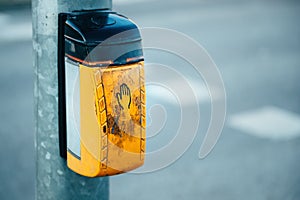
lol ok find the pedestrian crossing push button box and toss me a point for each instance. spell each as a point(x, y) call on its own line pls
point(101, 93)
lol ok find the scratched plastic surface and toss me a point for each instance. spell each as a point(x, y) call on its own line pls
point(112, 122)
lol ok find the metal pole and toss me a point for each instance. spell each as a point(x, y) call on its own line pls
point(53, 179)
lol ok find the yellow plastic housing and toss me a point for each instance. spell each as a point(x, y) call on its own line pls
point(112, 120)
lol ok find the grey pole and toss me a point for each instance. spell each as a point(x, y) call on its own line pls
point(53, 179)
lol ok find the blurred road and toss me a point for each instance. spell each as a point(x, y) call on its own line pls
point(17, 169)
point(256, 46)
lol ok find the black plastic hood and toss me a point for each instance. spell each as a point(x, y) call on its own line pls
point(101, 35)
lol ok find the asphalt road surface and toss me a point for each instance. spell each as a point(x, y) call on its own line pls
point(255, 45)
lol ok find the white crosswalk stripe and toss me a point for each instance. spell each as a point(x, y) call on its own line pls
point(14, 30)
point(129, 2)
point(161, 93)
point(268, 122)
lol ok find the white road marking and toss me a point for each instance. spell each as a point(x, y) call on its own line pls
point(268, 122)
point(129, 2)
point(3, 18)
point(14, 31)
point(163, 94)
